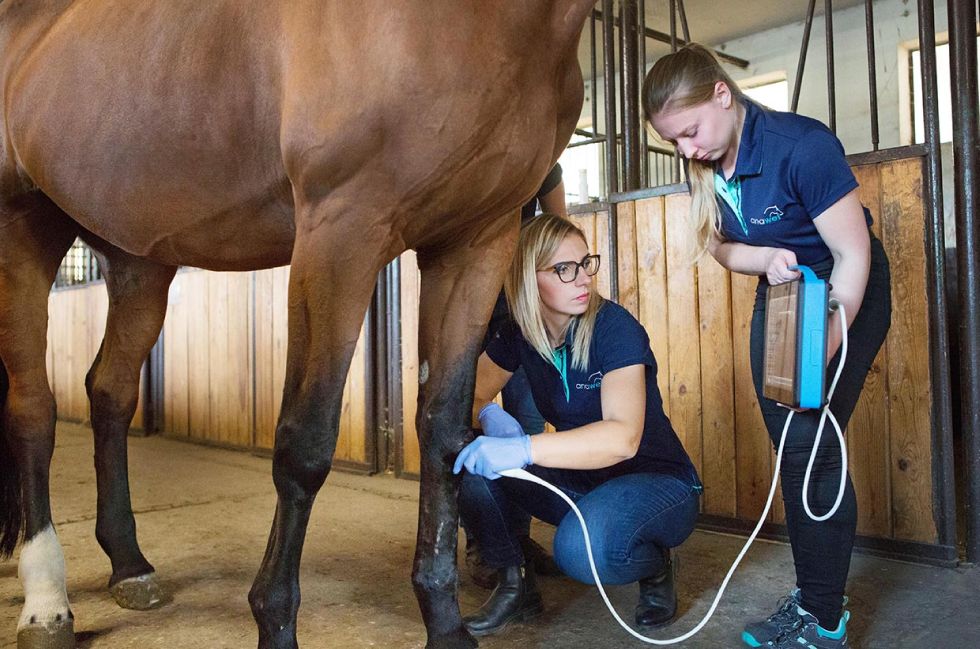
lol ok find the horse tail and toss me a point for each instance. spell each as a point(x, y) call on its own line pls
point(11, 506)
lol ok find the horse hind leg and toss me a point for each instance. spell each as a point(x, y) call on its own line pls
point(137, 305)
point(36, 236)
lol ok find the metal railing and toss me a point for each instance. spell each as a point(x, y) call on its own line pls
point(79, 267)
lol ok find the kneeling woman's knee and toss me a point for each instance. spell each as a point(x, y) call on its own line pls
point(572, 557)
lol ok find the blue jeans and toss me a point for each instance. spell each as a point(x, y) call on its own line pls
point(632, 518)
point(519, 404)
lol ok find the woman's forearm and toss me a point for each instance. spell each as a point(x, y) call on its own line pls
point(594, 446)
point(741, 257)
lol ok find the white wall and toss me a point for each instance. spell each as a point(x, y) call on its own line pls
point(896, 27)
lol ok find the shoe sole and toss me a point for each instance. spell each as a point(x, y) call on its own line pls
point(521, 616)
point(750, 640)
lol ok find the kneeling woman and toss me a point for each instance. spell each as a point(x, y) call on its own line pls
point(594, 377)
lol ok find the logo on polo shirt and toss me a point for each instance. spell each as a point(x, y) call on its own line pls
point(594, 381)
point(770, 215)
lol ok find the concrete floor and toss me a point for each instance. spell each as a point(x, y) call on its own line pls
point(204, 515)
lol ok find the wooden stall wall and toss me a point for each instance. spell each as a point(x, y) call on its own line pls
point(225, 361)
point(76, 324)
point(698, 320)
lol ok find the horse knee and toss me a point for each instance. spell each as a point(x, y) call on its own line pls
point(300, 464)
point(110, 398)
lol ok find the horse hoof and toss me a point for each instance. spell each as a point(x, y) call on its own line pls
point(139, 593)
point(459, 639)
point(55, 635)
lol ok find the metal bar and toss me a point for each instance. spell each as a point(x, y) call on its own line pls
point(886, 155)
point(629, 73)
point(683, 16)
point(828, 17)
point(395, 425)
point(613, 252)
point(944, 485)
point(673, 25)
point(622, 90)
point(869, 22)
point(595, 89)
point(665, 38)
point(609, 82)
point(380, 382)
point(963, 77)
point(644, 143)
point(798, 82)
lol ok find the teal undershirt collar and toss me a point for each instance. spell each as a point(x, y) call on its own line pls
point(560, 359)
point(731, 192)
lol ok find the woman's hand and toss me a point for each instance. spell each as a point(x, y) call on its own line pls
point(497, 422)
point(778, 266)
point(488, 456)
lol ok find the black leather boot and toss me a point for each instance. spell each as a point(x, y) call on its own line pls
point(515, 599)
point(536, 556)
point(658, 598)
point(482, 575)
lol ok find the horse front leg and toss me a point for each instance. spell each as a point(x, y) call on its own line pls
point(34, 240)
point(137, 305)
point(459, 288)
point(330, 287)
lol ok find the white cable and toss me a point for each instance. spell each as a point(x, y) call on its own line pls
point(521, 474)
point(840, 434)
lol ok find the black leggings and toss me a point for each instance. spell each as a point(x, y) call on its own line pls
point(822, 551)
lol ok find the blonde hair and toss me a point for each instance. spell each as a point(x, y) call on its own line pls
point(681, 80)
point(536, 246)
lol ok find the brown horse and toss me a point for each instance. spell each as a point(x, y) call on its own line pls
point(246, 134)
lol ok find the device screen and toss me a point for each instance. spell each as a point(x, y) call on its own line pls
point(779, 366)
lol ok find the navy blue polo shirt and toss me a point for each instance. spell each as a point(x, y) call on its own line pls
point(574, 400)
point(789, 169)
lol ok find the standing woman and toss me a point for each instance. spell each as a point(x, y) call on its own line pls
point(771, 190)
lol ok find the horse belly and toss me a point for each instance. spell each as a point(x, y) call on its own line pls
point(156, 127)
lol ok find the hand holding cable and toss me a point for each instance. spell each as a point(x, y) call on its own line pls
point(488, 456)
point(497, 422)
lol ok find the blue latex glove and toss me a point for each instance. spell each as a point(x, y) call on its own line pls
point(497, 422)
point(487, 456)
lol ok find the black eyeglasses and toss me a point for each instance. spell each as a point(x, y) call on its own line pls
point(567, 271)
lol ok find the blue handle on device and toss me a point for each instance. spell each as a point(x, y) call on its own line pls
point(811, 338)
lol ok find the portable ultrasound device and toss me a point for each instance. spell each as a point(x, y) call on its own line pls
point(795, 356)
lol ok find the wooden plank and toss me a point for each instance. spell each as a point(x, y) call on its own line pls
point(265, 390)
point(410, 283)
point(198, 353)
point(867, 432)
point(218, 358)
point(717, 388)
point(358, 402)
point(908, 378)
point(175, 360)
point(239, 368)
point(652, 286)
point(627, 262)
point(753, 450)
point(683, 334)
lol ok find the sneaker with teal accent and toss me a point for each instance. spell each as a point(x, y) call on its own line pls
point(810, 635)
point(784, 620)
